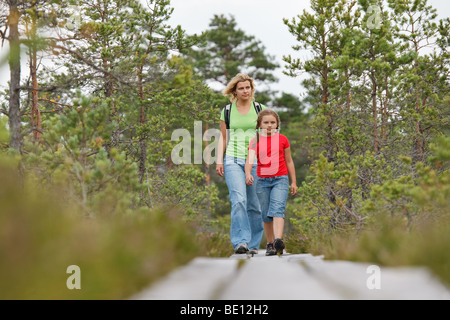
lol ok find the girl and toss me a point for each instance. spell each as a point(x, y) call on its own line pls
point(246, 228)
point(272, 185)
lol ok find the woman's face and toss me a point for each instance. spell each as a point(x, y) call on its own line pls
point(268, 124)
point(243, 90)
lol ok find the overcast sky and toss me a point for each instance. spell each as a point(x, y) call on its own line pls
point(260, 18)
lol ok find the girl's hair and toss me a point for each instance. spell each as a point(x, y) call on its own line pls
point(265, 112)
point(230, 90)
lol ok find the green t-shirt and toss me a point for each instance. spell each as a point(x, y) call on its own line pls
point(242, 130)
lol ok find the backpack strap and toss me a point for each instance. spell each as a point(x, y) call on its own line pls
point(227, 112)
point(258, 107)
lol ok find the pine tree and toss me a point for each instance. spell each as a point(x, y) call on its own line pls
point(21, 26)
point(425, 79)
point(319, 32)
point(72, 154)
point(228, 50)
point(12, 24)
point(380, 93)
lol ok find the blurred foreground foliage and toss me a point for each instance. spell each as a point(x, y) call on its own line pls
point(74, 205)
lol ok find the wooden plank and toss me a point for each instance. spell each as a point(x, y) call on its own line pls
point(293, 277)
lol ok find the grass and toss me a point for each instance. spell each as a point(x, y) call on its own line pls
point(41, 236)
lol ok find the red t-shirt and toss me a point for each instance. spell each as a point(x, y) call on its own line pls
point(270, 154)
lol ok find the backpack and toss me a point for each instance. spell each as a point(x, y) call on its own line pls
point(227, 112)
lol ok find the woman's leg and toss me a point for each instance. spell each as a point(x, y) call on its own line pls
point(240, 232)
point(254, 215)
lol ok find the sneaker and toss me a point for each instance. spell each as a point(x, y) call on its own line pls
point(270, 250)
point(242, 248)
point(253, 251)
point(278, 244)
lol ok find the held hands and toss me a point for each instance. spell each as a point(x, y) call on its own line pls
point(249, 179)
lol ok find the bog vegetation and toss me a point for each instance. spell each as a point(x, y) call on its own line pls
point(86, 176)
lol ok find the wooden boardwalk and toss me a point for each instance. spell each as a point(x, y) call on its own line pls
point(293, 277)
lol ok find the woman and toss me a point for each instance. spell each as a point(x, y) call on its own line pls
point(246, 221)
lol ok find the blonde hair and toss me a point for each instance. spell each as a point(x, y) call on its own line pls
point(230, 90)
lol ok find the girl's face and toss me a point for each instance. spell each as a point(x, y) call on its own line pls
point(269, 124)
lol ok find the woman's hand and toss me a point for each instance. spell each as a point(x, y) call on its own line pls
point(249, 179)
point(219, 169)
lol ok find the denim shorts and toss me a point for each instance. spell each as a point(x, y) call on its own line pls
point(272, 194)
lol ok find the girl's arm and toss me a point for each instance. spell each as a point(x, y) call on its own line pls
point(248, 167)
point(291, 170)
point(221, 148)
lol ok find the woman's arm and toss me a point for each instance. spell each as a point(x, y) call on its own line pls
point(221, 148)
point(291, 170)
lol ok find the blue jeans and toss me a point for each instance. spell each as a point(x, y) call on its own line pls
point(246, 219)
point(272, 194)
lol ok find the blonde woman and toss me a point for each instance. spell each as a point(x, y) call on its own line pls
point(246, 228)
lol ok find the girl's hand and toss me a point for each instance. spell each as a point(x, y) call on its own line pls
point(293, 189)
point(249, 179)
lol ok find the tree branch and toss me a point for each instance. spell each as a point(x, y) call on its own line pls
point(47, 89)
point(79, 56)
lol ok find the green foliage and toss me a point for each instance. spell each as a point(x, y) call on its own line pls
point(184, 188)
point(424, 196)
point(42, 234)
point(371, 153)
point(378, 186)
point(72, 154)
point(4, 135)
point(375, 112)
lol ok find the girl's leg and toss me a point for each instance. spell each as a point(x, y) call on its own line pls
point(268, 229)
point(278, 227)
point(263, 192)
point(278, 197)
